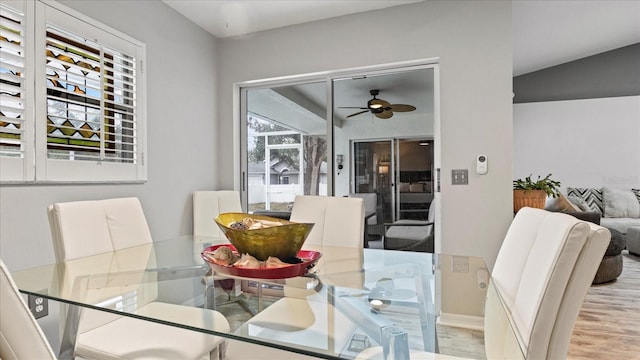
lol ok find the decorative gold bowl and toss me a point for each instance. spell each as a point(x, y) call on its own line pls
point(282, 241)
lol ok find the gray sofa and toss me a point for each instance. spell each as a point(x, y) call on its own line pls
point(614, 208)
point(619, 208)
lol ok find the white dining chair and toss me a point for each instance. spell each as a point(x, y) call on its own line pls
point(302, 312)
point(370, 205)
point(207, 205)
point(20, 335)
point(339, 221)
point(543, 271)
point(84, 229)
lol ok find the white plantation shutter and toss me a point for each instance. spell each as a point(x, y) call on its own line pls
point(15, 120)
point(93, 109)
point(72, 104)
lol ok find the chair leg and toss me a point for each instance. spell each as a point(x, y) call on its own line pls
point(209, 293)
point(220, 352)
point(69, 336)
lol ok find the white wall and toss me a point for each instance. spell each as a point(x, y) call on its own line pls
point(181, 93)
point(473, 41)
point(583, 143)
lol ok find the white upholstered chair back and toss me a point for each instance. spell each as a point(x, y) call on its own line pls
point(85, 236)
point(85, 228)
point(543, 271)
point(20, 335)
point(207, 205)
point(370, 205)
point(82, 229)
point(339, 221)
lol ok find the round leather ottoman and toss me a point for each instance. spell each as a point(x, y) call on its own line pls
point(611, 265)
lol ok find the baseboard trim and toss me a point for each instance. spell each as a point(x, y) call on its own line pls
point(461, 321)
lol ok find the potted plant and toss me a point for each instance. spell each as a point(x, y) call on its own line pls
point(527, 192)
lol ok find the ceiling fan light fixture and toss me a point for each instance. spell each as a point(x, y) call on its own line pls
point(375, 104)
point(382, 109)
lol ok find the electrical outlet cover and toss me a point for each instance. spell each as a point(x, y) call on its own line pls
point(38, 305)
point(460, 264)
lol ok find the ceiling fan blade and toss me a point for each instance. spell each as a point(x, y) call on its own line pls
point(352, 107)
point(384, 114)
point(358, 113)
point(402, 108)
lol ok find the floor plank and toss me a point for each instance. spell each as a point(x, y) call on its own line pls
point(608, 326)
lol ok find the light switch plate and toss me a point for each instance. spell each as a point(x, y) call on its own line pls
point(460, 176)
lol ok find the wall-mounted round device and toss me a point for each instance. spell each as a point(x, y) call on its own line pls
point(481, 164)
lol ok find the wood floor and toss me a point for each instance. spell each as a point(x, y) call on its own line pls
point(608, 326)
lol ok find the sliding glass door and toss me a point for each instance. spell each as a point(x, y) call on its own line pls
point(310, 134)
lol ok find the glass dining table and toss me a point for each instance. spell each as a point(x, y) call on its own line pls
point(355, 302)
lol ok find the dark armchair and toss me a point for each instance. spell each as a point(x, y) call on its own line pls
point(411, 235)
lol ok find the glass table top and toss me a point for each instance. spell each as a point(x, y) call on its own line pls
point(352, 299)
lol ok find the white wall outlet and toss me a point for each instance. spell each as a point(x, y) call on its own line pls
point(460, 264)
point(38, 305)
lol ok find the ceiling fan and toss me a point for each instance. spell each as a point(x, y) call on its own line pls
point(380, 108)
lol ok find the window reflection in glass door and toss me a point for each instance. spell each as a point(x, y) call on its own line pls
point(286, 145)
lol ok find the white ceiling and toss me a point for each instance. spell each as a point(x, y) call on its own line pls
point(545, 33)
point(225, 18)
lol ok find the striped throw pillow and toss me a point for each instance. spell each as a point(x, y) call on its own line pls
point(592, 196)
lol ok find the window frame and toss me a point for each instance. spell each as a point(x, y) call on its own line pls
point(37, 166)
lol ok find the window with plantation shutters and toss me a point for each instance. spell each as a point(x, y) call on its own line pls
point(88, 100)
point(13, 117)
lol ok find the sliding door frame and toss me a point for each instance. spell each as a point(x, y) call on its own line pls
point(240, 90)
